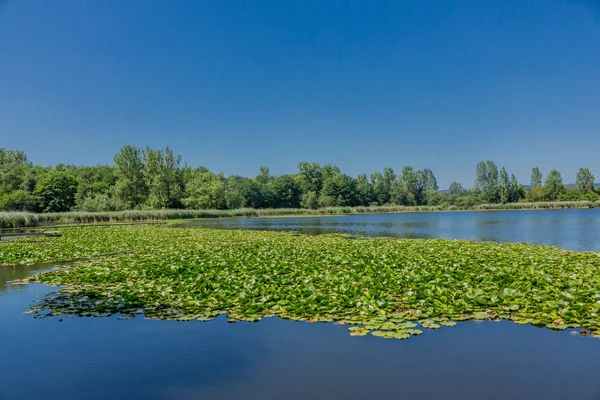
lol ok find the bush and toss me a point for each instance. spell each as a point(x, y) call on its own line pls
point(19, 200)
point(101, 202)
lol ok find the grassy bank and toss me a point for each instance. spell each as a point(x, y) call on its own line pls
point(23, 219)
point(390, 288)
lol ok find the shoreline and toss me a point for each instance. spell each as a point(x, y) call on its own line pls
point(11, 220)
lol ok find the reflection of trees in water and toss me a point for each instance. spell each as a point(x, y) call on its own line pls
point(11, 273)
point(16, 272)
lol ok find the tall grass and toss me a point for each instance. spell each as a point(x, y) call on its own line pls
point(23, 219)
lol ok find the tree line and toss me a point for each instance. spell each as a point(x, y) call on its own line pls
point(158, 179)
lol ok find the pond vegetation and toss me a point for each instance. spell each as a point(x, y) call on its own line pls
point(383, 287)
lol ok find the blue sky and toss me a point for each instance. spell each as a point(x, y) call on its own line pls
point(236, 84)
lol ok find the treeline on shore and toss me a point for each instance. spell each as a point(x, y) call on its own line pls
point(151, 179)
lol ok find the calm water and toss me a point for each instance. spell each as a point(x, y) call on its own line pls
point(571, 229)
point(108, 358)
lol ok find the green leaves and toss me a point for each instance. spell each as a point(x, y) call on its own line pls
point(382, 286)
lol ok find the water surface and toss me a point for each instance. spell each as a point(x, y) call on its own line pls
point(571, 229)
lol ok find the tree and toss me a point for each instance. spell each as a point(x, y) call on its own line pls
point(554, 185)
point(456, 189)
point(164, 178)
point(486, 181)
point(364, 190)
point(264, 175)
point(585, 181)
point(504, 187)
point(283, 192)
point(130, 172)
point(409, 183)
point(206, 191)
point(379, 190)
point(338, 190)
point(55, 191)
point(310, 177)
point(537, 194)
point(428, 180)
point(310, 200)
point(536, 178)
point(481, 177)
point(18, 200)
point(14, 167)
point(251, 193)
point(517, 191)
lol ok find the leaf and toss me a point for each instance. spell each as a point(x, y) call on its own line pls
point(447, 323)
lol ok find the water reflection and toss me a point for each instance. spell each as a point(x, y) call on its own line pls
point(570, 229)
point(15, 272)
point(274, 359)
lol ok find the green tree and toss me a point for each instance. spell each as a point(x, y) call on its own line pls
point(379, 190)
point(537, 194)
point(94, 182)
point(206, 191)
point(585, 181)
point(486, 181)
point(409, 183)
point(338, 190)
point(14, 167)
point(130, 173)
point(428, 180)
point(284, 192)
point(310, 177)
point(517, 191)
point(252, 193)
point(504, 187)
point(310, 200)
point(554, 185)
point(18, 200)
point(456, 189)
point(364, 190)
point(55, 191)
point(264, 175)
point(164, 178)
point(536, 178)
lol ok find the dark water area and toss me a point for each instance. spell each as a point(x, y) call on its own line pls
point(110, 358)
point(570, 229)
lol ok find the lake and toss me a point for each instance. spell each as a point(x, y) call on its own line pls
point(571, 229)
point(110, 358)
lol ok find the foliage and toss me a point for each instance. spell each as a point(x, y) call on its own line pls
point(585, 180)
point(536, 178)
point(383, 286)
point(554, 185)
point(206, 191)
point(131, 185)
point(55, 191)
point(150, 179)
point(164, 178)
point(456, 189)
point(486, 182)
point(18, 200)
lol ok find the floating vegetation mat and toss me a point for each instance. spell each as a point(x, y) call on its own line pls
point(383, 287)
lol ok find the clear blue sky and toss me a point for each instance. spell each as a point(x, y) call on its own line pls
point(237, 84)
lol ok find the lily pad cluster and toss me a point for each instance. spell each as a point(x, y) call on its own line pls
point(386, 287)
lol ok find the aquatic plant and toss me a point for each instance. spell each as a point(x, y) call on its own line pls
point(386, 287)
